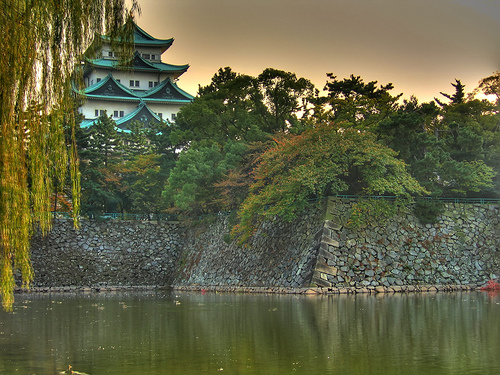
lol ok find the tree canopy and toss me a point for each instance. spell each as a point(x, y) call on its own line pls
point(42, 42)
point(244, 108)
point(361, 104)
point(327, 160)
point(357, 138)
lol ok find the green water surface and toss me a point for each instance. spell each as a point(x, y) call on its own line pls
point(194, 333)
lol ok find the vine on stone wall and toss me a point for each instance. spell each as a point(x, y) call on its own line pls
point(370, 211)
point(427, 211)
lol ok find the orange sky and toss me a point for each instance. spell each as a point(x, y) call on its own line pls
point(418, 45)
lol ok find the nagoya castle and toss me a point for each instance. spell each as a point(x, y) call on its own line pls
point(145, 90)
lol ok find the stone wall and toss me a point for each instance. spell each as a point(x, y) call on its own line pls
point(103, 253)
point(461, 248)
point(280, 254)
point(317, 249)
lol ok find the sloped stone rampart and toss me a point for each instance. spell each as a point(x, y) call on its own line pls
point(280, 254)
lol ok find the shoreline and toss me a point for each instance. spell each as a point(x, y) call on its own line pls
point(254, 290)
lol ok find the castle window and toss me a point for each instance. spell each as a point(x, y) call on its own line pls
point(150, 83)
point(146, 55)
point(121, 114)
point(153, 57)
point(136, 83)
point(110, 54)
point(131, 83)
point(160, 115)
point(96, 112)
point(115, 114)
point(102, 112)
point(98, 80)
point(173, 116)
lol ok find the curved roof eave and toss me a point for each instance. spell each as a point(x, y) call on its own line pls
point(159, 67)
point(137, 99)
point(142, 38)
point(88, 90)
point(164, 83)
point(181, 91)
point(142, 105)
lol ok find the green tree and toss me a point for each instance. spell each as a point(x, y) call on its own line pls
point(105, 142)
point(191, 183)
point(443, 148)
point(135, 141)
point(491, 130)
point(283, 97)
point(362, 104)
point(328, 159)
point(223, 111)
point(41, 42)
point(463, 124)
point(102, 187)
point(144, 183)
point(406, 129)
point(158, 135)
point(457, 98)
point(232, 116)
point(491, 85)
point(244, 108)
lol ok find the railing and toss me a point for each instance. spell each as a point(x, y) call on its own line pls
point(441, 199)
point(174, 217)
point(119, 216)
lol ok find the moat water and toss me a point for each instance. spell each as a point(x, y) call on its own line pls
point(194, 333)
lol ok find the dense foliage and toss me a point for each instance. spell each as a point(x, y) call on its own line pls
point(326, 160)
point(268, 145)
point(124, 172)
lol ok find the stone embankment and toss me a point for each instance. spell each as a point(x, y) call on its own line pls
point(316, 253)
point(251, 290)
point(461, 248)
point(279, 254)
point(330, 290)
point(107, 253)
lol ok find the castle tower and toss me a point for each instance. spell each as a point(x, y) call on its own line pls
point(146, 90)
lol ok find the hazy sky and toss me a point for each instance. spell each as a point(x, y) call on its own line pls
point(418, 45)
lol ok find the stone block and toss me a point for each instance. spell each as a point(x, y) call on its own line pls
point(320, 282)
point(329, 241)
point(332, 225)
point(326, 269)
point(326, 254)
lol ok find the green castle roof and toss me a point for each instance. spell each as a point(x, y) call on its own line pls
point(142, 113)
point(138, 63)
point(142, 38)
point(110, 89)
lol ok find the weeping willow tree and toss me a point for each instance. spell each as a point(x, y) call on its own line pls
point(42, 44)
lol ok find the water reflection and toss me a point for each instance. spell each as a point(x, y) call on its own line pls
point(164, 333)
